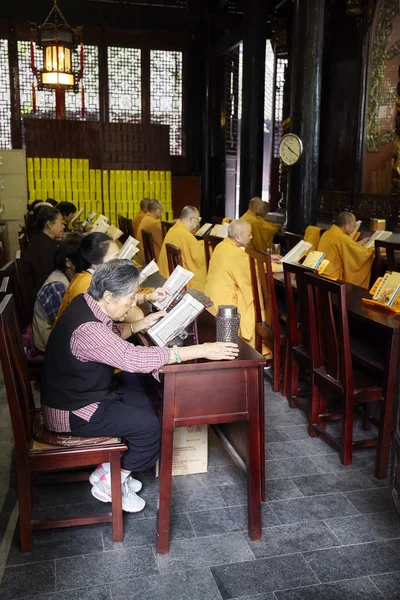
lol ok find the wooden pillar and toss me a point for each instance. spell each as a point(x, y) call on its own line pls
point(103, 79)
point(308, 33)
point(252, 125)
point(16, 125)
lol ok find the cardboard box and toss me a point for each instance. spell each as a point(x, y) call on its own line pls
point(377, 224)
point(190, 451)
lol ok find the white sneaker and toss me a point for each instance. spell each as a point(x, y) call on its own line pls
point(131, 502)
point(134, 484)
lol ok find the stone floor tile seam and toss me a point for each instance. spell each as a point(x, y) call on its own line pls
point(376, 587)
point(396, 538)
point(305, 587)
point(348, 500)
point(333, 533)
point(386, 542)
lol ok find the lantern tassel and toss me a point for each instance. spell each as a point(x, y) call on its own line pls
point(33, 98)
point(83, 102)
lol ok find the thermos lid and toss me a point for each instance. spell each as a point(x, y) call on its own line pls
point(227, 311)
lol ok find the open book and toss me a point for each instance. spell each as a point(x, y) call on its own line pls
point(296, 253)
point(89, 219)
point(175, 284)
point(377, 235)
point(220, 230)
point(101, 224)
point(129, 249)
point(148, 270)
point(356, 228)
point(386, 288)
point(315, 260)
point(114, 233)
point(184, 313)
point(76, 216)
point(204, 229)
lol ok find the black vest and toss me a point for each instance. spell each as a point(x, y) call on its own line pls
point(66, 382)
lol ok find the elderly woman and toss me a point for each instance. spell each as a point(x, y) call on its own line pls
point(79, 391)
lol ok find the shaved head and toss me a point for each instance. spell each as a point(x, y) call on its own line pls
point(258, 206)
point(188, 211)
point(154, 206)
point(239, 231)
point(144, 204)
point(345, 218)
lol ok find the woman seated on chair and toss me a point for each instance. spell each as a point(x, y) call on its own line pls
point(80, 392)
point(50, 295)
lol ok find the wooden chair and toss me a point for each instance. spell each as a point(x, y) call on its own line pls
point(148, 246)
point(269, 328)
point(391, 251)
point(127, 226)
point(165, 227)
point(9, 271)
point(216, 220)
point(297, 347)
point(210, 242)
point(123, 228)
point(39, 450)
point(27, 294)
point(291, 239)
point(334, 374)
point(174, 257)
point(23, 243)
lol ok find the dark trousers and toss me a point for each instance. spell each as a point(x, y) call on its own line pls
point(131, 418)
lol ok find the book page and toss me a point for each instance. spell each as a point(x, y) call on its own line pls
point(114, 233)
point(77, 215)
point(220, 230)
point(184, 313)
point(356, 228)
point(204, 229)
point(101, 224)
point(297, 252)
point(377, 235)
point(175, 284)
point(129, 249)
point(314, 259)
point(387, 288)
point(151, 268)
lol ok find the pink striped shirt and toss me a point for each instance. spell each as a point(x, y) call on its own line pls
point(100, 341)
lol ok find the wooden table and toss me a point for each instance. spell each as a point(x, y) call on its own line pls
point(378, 331)
point(203, 392)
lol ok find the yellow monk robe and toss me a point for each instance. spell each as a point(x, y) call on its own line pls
point(229, 282)
point(149, 223)
point(136, 222)
point(193, 256)
point(262, 231)
point(80, 285)
point(348, 260)
point(312, 235)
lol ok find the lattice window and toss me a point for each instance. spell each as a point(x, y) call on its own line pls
point(45, 99)
point(231, 101)
point(268, 86)
point(281, 65)
point(73, 102)
point(5, 98)
point(125, 86)
point(166, 94)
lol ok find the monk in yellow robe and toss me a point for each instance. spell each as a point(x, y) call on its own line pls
point(262, 231)
point(151, 222)
point(348, 260)
point(229, 279)
point(138, 218)
point(312, 235)
point(193, 255)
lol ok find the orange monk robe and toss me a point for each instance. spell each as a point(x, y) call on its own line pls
point(262, 231)
point(348, 260)
point(193, 256)
point(229, 282)
point(136, 222)
point(149, 223)
point(312, 235)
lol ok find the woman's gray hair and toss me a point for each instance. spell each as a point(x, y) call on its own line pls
point(118, 276)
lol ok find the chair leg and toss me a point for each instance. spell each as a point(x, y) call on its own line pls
point(384, 438)
point(276, 383)
point(164, 505)
point(24, 503)
point(346, 449)
point(288, 370)
point(313, 416)
point(116, 504)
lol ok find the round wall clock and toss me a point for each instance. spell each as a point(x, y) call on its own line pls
point(290, 149)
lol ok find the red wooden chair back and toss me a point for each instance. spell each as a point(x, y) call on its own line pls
point(393, 259)
point(174, 257)
point(10, 271)
point(296, 309)
point(210, 242)
point(216, 220)
point(165, 227)
point(291, 240)
point(148, 246)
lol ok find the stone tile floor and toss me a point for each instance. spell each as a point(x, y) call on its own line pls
point(329, 532)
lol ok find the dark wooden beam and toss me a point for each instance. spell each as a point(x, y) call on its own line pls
point(225, 44)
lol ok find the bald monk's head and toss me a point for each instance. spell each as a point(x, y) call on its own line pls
point(144, 204)
point(155, 208)
point(239, 232)
point(190, 217)
point(259, 207)
point(346, 221)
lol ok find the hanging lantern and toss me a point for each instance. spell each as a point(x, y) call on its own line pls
point(57, 41)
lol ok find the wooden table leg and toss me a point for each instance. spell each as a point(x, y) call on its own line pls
point(116, 503)
point(262, 431)
point(167, 437)
point(254, 475)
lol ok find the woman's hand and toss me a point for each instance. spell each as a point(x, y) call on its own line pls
point(220, 351)
point(147, 322)
point(159, 294)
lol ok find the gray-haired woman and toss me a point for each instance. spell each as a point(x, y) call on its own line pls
point(81, 394)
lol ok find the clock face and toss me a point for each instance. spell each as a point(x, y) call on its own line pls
point(290, 149)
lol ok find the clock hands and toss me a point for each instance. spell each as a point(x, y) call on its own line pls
point(292, 151)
